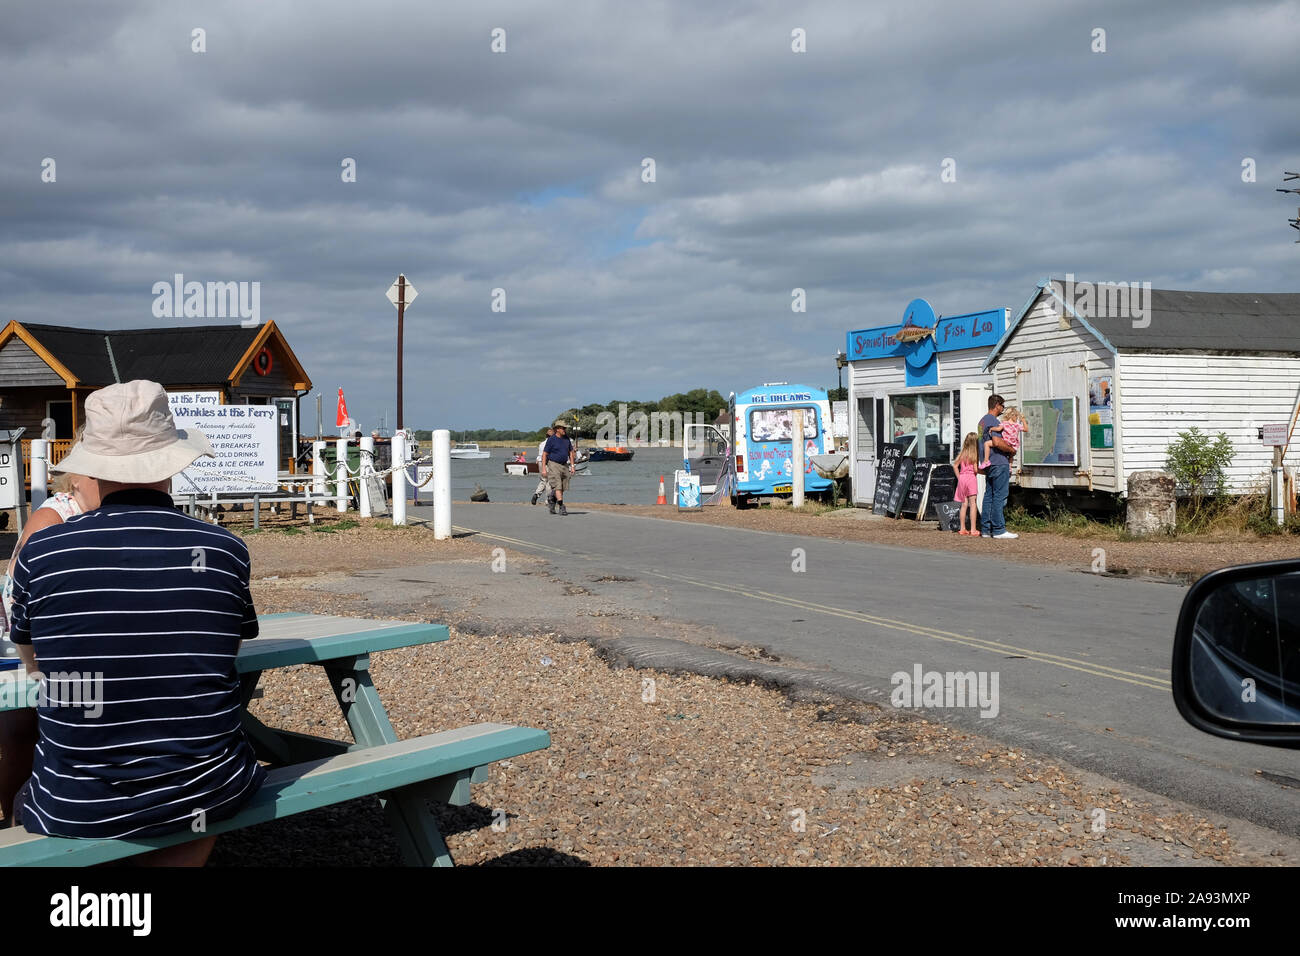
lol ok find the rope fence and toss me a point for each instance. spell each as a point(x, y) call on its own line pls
point(330, 475)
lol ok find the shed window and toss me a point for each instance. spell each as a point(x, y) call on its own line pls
point(922, 422)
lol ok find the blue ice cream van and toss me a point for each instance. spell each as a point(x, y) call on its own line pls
point(762, 423)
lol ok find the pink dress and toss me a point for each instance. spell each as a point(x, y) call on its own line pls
point(967, 484)
point(1011, 434)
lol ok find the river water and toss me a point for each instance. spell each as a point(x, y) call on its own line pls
point(634, 482)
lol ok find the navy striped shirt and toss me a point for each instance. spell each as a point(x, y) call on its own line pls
point(135, 612)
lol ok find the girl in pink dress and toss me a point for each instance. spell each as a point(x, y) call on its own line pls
point(1012, 427)
point(967, 484)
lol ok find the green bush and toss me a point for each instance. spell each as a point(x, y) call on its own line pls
point(1198, 463)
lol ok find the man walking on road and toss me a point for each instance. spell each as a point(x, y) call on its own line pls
point(543, 487)
point(557, 465)
point(997, 476)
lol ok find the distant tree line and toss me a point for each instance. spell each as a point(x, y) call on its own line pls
point(584, 421)
point(706, 402)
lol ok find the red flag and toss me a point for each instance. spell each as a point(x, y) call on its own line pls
point(343, 411)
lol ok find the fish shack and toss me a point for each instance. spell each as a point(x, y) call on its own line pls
point(920, 384)
point(1109, 373)
point(48, 371)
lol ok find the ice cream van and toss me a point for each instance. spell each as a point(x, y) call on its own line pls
point(762, 425)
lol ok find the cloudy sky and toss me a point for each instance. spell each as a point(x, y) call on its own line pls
point(522, 170)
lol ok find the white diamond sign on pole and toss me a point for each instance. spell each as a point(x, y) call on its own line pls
point(410, 294)
point(401, 293)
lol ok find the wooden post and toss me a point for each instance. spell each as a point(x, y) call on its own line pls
point(796, 459)
point(341, 474)
point(367, 468)
point(1278, 487)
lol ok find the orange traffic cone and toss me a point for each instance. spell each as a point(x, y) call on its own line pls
point(662, 500)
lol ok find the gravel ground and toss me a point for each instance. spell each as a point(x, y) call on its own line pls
point(710, 772)
point(1183, 559)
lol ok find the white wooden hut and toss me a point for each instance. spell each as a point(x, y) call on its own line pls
point(1142, 365)
point(923, 388)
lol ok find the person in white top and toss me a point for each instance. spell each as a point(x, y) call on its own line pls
point(73, 495)
point(542, 485)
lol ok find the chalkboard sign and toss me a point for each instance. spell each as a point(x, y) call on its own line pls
point(898, 491)
point(914, 499)
point(943, 486)
point(890, 455)
point(949, 514)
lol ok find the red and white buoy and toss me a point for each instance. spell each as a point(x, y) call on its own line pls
point(662, 500)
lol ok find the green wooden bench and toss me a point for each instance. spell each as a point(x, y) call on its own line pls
point(311, 772)
point(434, 767)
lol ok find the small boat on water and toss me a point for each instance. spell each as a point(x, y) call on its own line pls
point(519, 468)
point(469, 450)
point(615, 452)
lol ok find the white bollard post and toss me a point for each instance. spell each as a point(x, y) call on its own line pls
point(367, 469)
point(441, 484)
point(341, 474)
point(40, 472)
point(796, 459)
point(399, 477)
point(318, 468)
point(1279, 502)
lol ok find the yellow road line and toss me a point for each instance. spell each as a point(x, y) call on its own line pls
point(1096, 670)
point(950, 637)
point(501, 537)
point(996, 646)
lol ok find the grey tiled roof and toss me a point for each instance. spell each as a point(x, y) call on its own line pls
point(200, 355)
point(1209, 321)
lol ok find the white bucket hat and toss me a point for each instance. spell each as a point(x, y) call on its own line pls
point(130, 437)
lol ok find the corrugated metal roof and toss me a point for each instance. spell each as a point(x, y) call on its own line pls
point(201, 355)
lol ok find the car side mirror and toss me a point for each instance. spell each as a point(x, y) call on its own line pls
point(1236, 665)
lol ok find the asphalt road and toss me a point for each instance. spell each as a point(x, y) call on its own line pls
point(1082, 660)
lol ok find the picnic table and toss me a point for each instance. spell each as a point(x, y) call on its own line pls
point(308, 772)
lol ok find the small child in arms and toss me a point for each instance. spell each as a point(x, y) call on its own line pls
point(1012, 427)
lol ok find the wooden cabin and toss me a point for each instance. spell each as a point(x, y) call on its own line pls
point(924, 391)
point(47, 372)
point(1143, 367)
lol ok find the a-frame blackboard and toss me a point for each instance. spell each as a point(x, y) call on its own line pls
point(898, 491)
point(890, 455)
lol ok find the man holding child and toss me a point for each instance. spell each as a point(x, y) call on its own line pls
point(998, 474)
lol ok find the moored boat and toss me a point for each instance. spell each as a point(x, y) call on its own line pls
point(615, 452)
point(519, 468)
point(469, 450)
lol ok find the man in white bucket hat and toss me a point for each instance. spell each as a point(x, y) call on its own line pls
point(135, 612)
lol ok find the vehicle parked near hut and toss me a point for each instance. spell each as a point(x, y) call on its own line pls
point(761, 422)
